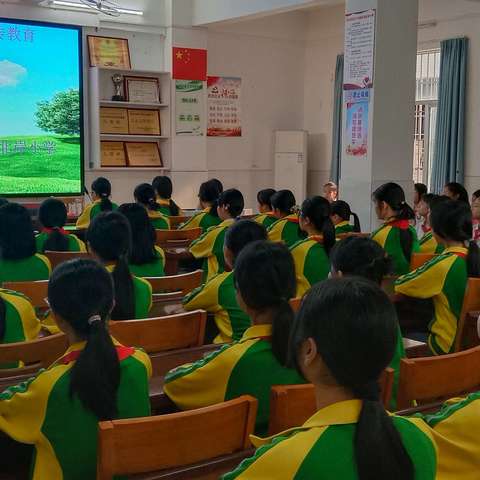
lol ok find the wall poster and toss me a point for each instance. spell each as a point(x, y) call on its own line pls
point(224, 107)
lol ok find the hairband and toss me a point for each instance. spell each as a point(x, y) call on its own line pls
point(94, 318)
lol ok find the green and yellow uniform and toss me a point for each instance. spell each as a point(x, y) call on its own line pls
point(312, 264)
point(152, 269)
point(323, 448)
point(209, 246)
point(285, 230)
point(395, 364)
point(158, 220)
point(203, 220)
point(343, 227)
point(244, 367)
point(165, 207)
point(36, 267)
point(444, 279)
point(266, 219)
point(89, 213)
point(455, 431)
point(428, 244)
point(218, 296)
point(388, 237)
point(74, 243)
point(42, 413)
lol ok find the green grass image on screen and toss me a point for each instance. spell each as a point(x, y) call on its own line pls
point(36, 164)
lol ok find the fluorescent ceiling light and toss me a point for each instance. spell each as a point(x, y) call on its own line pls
point(66, 3)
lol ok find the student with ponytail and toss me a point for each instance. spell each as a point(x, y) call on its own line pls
point(53, 216)
point(312, 264)
point(340, 216)
point(109, 239)
point(264, 200)
point(97, 379)
point(396, 235)
point(144, 195)
point(265, 280)
point(428, 243)
point(343, 338)
point(163, 187)
point(101, 192)
point(444, 278)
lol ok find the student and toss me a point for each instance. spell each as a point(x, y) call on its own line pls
point(101, 192)
point(97, 379)
point(312, 264)
point(362, 257)
point(109, 239)
point(257, 361)
point(330, 191)
point(475, 195)
point(145, 196)
point(476, 215)
point(266, 216)
point(19, 261)
point(145, 258)
point(341, 213)
point(428, 243)
point(456, 191)
point(209, 246)
point(343, 338)
point(396, 235)
point(163, 188)
point(207, 196)
point(420, 189)
point(444, 278)
point(53, 216)
point(286, 228)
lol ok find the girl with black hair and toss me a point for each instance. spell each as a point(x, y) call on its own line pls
point(101, 191)
point(144, 194)
point(265, 280)
point(444, 278)
point(109, 239)
point(53, 216)
point(396, 235)
point(476, 215)
point(145, 259)
point(209, 247)
point(208, 194)
point(218, 295)
point(341, 213)
point(343, 338)
point(286, 228)
point(456, 191)
point(19, 261)
point(312, 264)
point(266, 216)
point(428, 243)
point(163, 187)
point(58, 410)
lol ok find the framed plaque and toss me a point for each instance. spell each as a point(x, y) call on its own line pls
point(143, 154)
point(108, 52)
point(143, 122)
point(113, 154)
point(113, 120)
point(142, 89)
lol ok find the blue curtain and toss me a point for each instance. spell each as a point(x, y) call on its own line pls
point(337, 122)
point(448, 160)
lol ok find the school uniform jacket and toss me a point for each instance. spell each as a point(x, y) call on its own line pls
point(285, 230)
point(218, 296)
point(64, 434)
point(158, 220)
point(89, 213)
point(444, 279)
point(428, 244)
point(312, 264)
point(388, 237)
point(151, 269)
point(323, 448)
point(343, 227)
point(203, 220)
point(74, 243)
point(36, 267)
point(209, 246)
point(244, 367)
point(455, 431)
point(266, 219)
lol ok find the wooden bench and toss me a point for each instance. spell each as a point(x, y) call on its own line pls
point(36, 291)
point(175, 221)
point(56, 258)
point(419, 259)
point(467, 335)
point(341, 236)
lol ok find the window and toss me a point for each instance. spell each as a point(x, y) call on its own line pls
point(426, 103)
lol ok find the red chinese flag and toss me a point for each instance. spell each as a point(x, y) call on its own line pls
point(189, 63)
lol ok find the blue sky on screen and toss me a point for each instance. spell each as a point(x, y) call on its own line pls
point(35, 63)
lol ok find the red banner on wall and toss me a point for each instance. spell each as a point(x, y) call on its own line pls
point(189, 63)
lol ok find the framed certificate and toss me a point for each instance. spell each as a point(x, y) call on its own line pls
point(143, 154)
point(108, 52)
point(143, 122)
point(142, 89)
point(113, 120)
point(113, 154)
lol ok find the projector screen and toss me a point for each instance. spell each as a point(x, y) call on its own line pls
point(41, 128)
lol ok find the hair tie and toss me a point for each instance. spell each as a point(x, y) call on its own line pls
point(94, 319)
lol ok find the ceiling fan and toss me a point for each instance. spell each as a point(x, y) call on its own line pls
point(107, 7)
